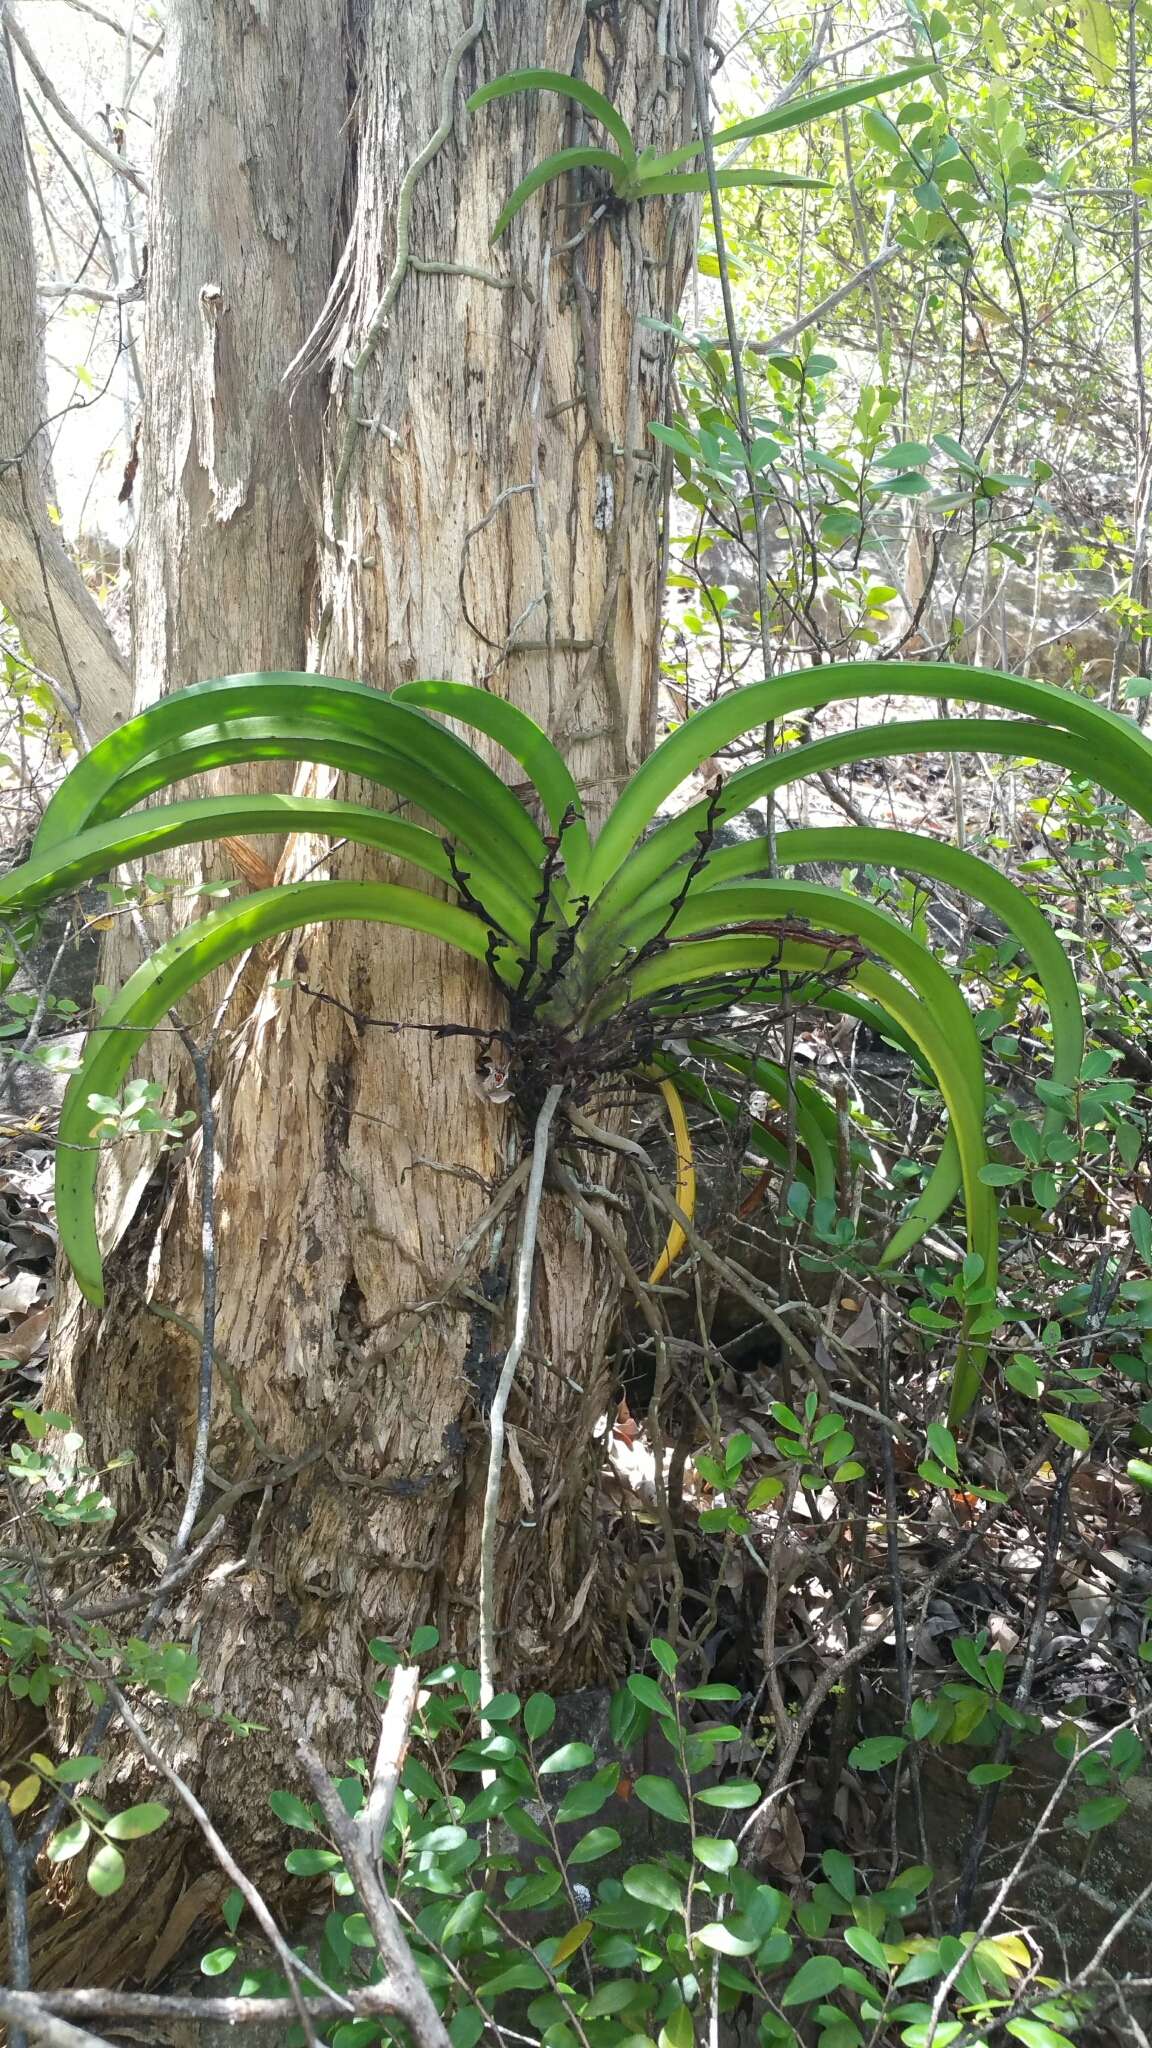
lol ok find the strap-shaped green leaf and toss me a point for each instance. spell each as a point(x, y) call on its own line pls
point(763, 1142)
point(913, 853)
point(934, 1201)
point(528, 744)
point(796, 114)
point(846, 1002)
point(206, 718)
point(558, 166)
point(944, 1182)
point(1117, 751)
point(617, 877)
point(143, 834)
point(815, 1116)
point(828, 909)
point(18, 935)
point(465, 820)
point(743, 954)
point(728, 181)
point(833, 911)
point(570, 89)
point(772, 1077)
point(168, 975)
point(585, 95)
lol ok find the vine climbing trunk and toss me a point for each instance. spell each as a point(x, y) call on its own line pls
point(454, 479)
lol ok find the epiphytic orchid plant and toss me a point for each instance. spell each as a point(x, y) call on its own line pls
point(627, 173)
point(604, 950)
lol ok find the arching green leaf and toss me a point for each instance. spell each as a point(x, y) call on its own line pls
point(1120, 757)
point(284, 716)
point(143, 834)
point(527, 743)
point(167, 975)
point(586, 96)
point(796, 114)
point(727, 181)
point(558, 166)
point(743, 954)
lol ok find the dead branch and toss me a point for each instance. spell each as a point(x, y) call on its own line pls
point(119, 164)
point(411, 1992)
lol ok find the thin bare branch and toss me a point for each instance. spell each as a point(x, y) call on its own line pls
point(30, 2020)
point(59, 622)
point(390, 1753)
point(97, 2003)
point(291, 1965)
point(116, 163)
point(109, 21)
point(413, 1998)
point(785, 336)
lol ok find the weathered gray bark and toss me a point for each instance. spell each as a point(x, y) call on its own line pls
point(499, 523)
point(59, 621)
point(249, 160)
point(250, 153)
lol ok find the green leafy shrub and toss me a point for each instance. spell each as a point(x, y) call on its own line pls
point(524, 1906)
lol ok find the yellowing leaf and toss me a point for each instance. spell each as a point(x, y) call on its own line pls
point(1012, 1954)
point(1098, 36)
point(708, 265)
point(570, 1942)
point(995, 43)
point(136, 1821)
point(988, 311)
point(26, 1793)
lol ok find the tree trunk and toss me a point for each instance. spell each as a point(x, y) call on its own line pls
point(40, 585)
point(486, 507)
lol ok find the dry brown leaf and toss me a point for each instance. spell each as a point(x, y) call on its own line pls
point(862, 1333)
point(27, 1337)
point(778, 1840)
point(1090, 1600)
point(1002, 1635)
point(579, 1603)
point(19, 1291)
point(625, 1429)
point(1101, 1484)
point(201, 1896)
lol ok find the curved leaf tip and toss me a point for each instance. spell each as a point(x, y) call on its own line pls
point(562, 82)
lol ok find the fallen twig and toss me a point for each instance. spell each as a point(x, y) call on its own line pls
point(31, 2021)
